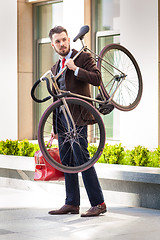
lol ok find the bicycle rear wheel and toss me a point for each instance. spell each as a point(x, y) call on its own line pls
point(77, 160)
point(121, 77)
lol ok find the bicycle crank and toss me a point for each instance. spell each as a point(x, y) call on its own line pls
point(106, 108)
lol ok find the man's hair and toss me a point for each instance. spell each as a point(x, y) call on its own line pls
point(57, 29)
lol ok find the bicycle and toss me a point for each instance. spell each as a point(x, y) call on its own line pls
point(121, 87)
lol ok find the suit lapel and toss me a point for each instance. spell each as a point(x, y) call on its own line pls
point(73, 53)
point(54, 69)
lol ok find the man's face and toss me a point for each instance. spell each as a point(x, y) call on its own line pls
point(61, 43)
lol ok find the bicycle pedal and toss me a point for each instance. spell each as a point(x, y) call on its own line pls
point(106, 109)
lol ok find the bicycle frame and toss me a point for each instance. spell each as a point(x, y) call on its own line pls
point(61, 94)
point(96, 56)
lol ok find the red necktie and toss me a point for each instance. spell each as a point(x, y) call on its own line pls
point(63, 62)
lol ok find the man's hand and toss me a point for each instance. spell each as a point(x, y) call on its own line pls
point(70, 64)
point(54, 136)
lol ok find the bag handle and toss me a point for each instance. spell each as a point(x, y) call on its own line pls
point(49, 144)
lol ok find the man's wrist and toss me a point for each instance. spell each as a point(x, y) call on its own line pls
point(76, 71)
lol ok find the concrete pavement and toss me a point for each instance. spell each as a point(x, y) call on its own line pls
point(24, 216)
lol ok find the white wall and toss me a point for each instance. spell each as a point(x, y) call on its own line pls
point(8, 69)
point(139, 33)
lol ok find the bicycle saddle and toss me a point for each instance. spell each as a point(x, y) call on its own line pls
point(82, 32)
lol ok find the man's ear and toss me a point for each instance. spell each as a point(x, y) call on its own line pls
point(52, 45)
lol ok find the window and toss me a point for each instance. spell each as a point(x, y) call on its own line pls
point(46, 16)
point(105, 30)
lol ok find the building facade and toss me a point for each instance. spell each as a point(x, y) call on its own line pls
point(26, 54)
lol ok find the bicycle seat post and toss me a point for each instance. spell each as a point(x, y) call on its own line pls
point(82, 42)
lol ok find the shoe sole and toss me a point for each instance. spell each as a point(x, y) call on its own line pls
point(63, 213)
point(104, 211)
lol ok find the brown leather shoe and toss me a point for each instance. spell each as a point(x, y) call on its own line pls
point(95, 211)
point(65, 210)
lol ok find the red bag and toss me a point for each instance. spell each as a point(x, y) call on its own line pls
point(43, 170)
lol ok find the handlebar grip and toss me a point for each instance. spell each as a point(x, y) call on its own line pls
point(33, 95)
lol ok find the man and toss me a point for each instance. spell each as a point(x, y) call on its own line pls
point(77, 78)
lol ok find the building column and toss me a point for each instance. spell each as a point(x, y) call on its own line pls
point(158, 72)
point(87, 21)
point(25, 70)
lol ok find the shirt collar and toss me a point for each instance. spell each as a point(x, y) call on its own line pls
point(68, 55)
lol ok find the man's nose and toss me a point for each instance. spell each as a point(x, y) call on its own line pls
point(61, 43)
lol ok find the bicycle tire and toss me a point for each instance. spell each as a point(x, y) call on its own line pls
point(45, 126)
point(128, 95)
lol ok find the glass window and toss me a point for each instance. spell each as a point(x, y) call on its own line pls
point(46, 58)
point(107, 14)
point(105, 20)
point(46, 16)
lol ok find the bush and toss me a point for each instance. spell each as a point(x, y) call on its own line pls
point(22, 148)
point(112, 154)
point(25, 148)
point(158, 154)
point(9, 147)
point(127, 158)
point(154, 158)
point(139, 156)
point(36, 148)
point(1, 147)
point(92, 149)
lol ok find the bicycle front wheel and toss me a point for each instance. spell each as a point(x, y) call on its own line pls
point(73, 140)
point(121, 77)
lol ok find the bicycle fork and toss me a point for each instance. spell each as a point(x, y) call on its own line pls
point(117, 87)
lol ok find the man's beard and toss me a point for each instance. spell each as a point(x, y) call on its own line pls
point(63, 52)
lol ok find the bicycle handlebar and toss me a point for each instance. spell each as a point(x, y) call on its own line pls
point(45, 74)
point(49, 90)
point(33, 92)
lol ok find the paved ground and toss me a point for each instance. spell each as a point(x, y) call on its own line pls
point(23, 216)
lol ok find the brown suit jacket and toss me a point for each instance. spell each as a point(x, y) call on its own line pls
point(88, 74)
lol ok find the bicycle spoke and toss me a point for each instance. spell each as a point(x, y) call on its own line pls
point(125, 95)
point(72, 145)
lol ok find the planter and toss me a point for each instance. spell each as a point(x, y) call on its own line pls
point(126, 185)
point(130, 185)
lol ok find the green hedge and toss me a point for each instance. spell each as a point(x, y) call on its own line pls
point(139, 156)
point(112, 154)
point(22, 148)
